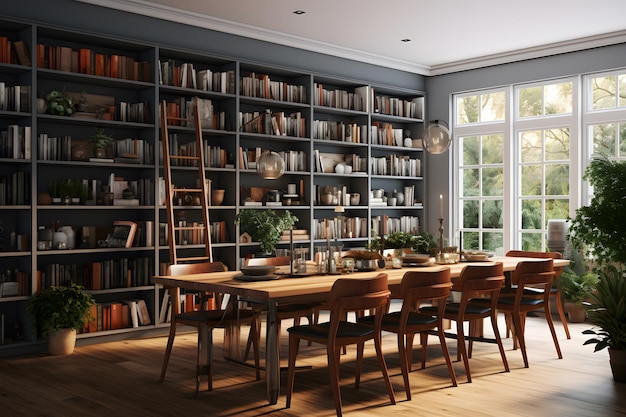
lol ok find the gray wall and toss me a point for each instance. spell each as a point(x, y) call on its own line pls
point(440, 89)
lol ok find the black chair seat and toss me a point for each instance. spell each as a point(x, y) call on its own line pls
point(525, 301)
point(346, 329)
point(393, 319)
point(473, 307)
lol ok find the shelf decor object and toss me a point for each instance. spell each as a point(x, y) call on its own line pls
point(437, 138)
point(270, 166)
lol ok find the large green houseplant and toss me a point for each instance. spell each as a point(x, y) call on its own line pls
point(59, 312)
point(265, 226)
point(577, 283)
point(600, 229)
point(420, 243)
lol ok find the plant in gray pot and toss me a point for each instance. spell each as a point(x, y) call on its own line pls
point(59, 312)
point(600, 230)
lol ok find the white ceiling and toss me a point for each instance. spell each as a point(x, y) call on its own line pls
point(446, 35)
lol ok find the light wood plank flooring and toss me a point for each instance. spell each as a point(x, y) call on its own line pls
point(120, 379)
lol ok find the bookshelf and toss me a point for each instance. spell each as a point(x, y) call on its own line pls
point(330, 131)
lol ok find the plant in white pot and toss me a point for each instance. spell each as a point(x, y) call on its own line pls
point(59, 312)
point(600, 230)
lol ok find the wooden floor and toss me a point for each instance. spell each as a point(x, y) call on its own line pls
point(120, 379)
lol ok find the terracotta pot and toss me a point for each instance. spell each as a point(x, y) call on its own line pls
point(217, 197)
point(575, 313)
point(618, 364)
point(61, 342)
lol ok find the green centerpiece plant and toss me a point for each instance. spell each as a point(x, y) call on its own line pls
point(600, 230)
point(265, 226)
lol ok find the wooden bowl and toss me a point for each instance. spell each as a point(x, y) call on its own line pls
point(217, 197)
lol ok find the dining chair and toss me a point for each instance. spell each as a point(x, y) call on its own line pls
point(417, 288)
point(538, 273)
point(479, 287)
point(284, 311)
point(555, 291)
point(346, 295)
point(205, 321)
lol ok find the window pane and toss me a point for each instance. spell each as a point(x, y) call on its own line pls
point(622, 90)
point(557, 144)
point(470, 240)
point(532, 146)
point(530, 102)
point(531, 214)
point(470, 214)
point(492, 214)
point(622, 140)
point(493, 182)
point(603, 93)
point(556, 209)
point(470, 183)
point(604, 139)
point(557, 179)
point(531, 242)
point(493, 107)
point(470, 150)
point(468, 110)
point(493, 149)
point(494, 241)
point(531, 179)
point(558, 98)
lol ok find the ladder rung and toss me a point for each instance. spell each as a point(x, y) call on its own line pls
point(189, 190)
point(193, 258)
point(187, 119)
point(200, 227)
point(186, 157)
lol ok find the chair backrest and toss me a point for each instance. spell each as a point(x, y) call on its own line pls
point(532, 254)
point(425, 285)
point(539, 272)
point(348, 294)
point(274, 261)
point(196, 268)
point(476, 280)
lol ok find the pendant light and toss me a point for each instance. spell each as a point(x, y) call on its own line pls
point(437, 137)
point(270, 166)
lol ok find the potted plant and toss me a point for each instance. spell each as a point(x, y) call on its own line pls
point(101, 143)
point(419, 243)
point(576, 283)
point(59, 103)
point(265, 226)
point(59, 312)
point(600, 230)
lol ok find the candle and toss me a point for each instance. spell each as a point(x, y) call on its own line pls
point(441, 206)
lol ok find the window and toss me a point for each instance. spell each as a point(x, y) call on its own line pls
point(514, 173)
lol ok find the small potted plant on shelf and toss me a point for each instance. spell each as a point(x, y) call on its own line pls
point(599, 229)
point(265, 226)
point(59, 312)
point(417, 243)
point(59, 103)
point(101, 143)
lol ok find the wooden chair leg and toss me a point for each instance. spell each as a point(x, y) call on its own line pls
point(168, 350)
point(333, 372)
point(446, 355)
point(559, 307)
point(553, 332)
point(494, 326)
point(519, 335)
point(404, 362)
point(383, 368)
point(463, 351)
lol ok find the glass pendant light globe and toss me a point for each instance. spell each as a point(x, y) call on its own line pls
point(270, 166)
point(437, 137)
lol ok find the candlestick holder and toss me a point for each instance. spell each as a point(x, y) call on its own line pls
point(440, 235)
point(444, 258)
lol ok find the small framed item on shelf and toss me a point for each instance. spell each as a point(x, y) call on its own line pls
point(122, 235)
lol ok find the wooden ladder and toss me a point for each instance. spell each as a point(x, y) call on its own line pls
point(177, 229)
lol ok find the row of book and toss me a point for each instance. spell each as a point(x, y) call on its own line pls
point(14, 283)
point(88, 61)
point(278, 123)
point(394, 106)
point(210, 118)
point(15, 142)
point(382, 225)
point(187, 76)
point(195, 234)
point(340, 131)
point(15, 98)
point(117, 315)
point(327, 162)
point(214, 156)
point(294, 160)
point(341, 99)
point(396, 165)
point(103, 275)
point(15, 189)
point(14, 52)
point(66, 148)
point(261, 86)
point(340, 227)
point(386, 134)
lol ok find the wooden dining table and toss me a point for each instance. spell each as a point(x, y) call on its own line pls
point(288, 290)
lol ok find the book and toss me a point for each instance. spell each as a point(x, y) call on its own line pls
point(142, 313)
point(163, 317)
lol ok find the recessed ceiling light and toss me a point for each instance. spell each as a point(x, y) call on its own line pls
point(406, 40)
point(299, 12)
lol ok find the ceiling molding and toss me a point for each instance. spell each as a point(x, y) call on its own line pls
point(151, 9)
point(221, 25)
point(573, 45)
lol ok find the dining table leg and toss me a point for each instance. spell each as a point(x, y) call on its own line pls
point(232, 333)
point(272, 360)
